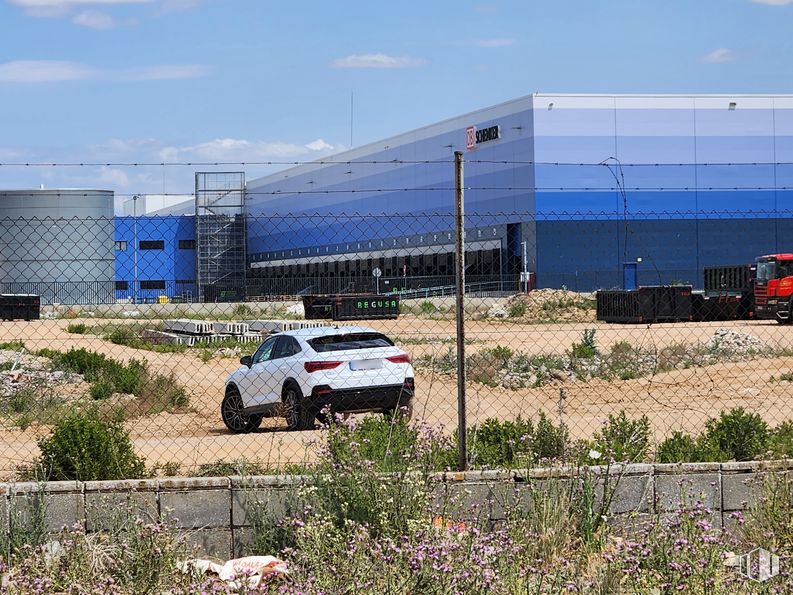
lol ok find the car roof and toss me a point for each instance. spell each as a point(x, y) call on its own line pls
point(324, 331)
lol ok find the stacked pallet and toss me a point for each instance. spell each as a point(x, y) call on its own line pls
point(193, 332)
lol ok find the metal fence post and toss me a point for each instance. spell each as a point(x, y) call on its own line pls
point(462, 462)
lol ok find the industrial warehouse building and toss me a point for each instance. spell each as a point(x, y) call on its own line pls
point(580, 184)
point(569, 187)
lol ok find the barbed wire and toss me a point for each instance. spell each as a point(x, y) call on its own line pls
point(86, 193)
point(449, 161)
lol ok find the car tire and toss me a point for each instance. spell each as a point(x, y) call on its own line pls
point(298, 416)
point(233, 413)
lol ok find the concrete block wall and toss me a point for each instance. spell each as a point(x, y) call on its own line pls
point(215, 513)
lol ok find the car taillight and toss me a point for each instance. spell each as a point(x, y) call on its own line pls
point(317, 366)
point(399, 359)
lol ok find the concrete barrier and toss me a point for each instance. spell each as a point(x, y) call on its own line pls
point(216, 512)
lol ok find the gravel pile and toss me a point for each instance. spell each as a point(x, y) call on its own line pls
point(34, 371)
point(732, 341)
point(551, 305)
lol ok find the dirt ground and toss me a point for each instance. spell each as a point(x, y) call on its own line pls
point(680, 399)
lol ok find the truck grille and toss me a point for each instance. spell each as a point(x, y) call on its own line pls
point(760, 294)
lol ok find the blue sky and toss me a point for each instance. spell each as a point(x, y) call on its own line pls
point(258, 80)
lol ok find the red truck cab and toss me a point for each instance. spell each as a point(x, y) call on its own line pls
point(773, 287)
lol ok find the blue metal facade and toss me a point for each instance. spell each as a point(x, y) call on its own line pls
point(167, 271)
point(680, 182)
point(703, 181)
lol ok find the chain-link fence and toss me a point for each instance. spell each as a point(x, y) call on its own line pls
point(343, 314)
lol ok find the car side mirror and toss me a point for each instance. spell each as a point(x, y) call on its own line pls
point(246, 360)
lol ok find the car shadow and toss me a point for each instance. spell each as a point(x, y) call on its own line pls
point(222, 431)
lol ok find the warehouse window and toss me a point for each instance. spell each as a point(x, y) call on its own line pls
point(187, 244)
point(152, 284)
point(185, 282)
point(152, 245)
point(121, 246)
point(122, 285)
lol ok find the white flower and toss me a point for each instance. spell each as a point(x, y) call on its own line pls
point(593, 454)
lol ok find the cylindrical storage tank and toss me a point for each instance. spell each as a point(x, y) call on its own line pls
point(58, 244)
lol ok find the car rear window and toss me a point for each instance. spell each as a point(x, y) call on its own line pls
point(350, 341)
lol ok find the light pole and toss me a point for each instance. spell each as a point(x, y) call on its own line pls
point(525, 275)
point(135, 248)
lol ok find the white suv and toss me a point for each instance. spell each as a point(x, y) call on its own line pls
point(299, 374)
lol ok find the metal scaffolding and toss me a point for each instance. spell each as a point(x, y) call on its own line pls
point(220, 235)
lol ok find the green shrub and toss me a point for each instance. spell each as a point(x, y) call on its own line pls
point(587, 348)
point(77, 329)
point(101, 390)
point(517, 310)
point(129, 379)
point(736, 435)
point(496, 443)
point(124, 336)
point(428, 308)
point(155, 392)
point(549, 441)
point(781, 441)
point(85, 447)
point(624, 361)
point(678, 448)
point(242, 311)
point(158, 392)
point(513, 444)
point(222, 468)
point(623, 439)
point(500, 354)
point(346, 485)
point(12, 345)
point(81, 361)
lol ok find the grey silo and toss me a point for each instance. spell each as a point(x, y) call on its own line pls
point(58, 244)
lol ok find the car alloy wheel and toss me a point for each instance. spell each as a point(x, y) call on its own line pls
point(233, 413)
point(297, 417)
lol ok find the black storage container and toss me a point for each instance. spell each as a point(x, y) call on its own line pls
point(20, 306)
point(318, 307)
point(621, 306)
point(670, 302)
point(366, 307)
point(351, 307)
point(728, 280)
point(659, 303)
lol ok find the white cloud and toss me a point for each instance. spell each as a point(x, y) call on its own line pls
point(773, 2)
point(319, 145)
point(49, 71)
point(93, 19)
point(56, 8)
point(498, 42)
point(113, 177)
point(44, 71)
point(241, 150)
point(377, 61)
point(719, 56)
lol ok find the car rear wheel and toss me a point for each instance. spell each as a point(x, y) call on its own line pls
point(233, 413)
point(298, 416)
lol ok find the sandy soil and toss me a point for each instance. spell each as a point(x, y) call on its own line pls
point(681, 399)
